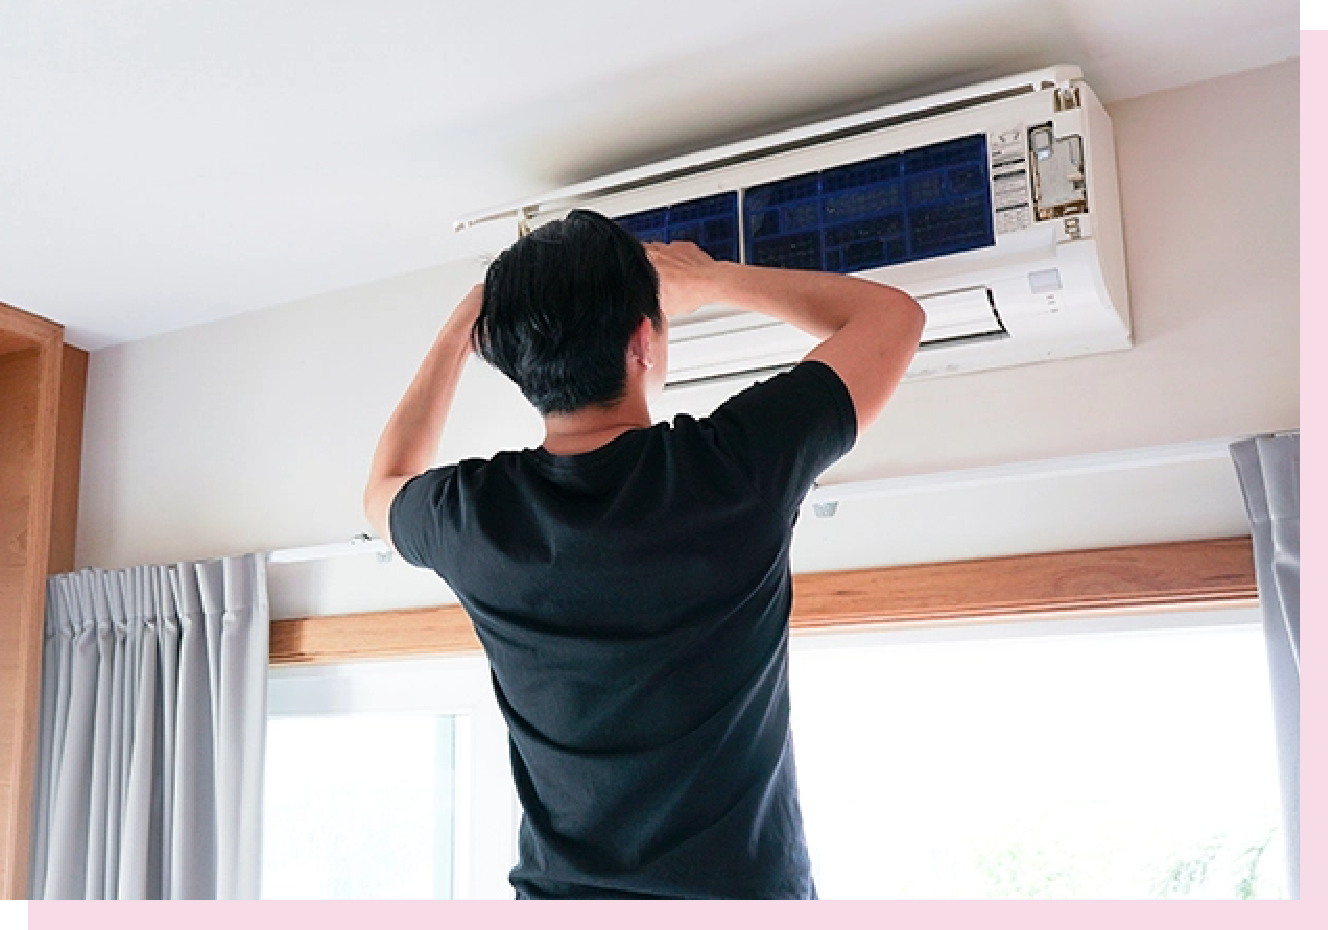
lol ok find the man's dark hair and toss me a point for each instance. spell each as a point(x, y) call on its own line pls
point(559, 308)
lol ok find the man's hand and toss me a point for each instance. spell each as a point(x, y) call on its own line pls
point(686, 276)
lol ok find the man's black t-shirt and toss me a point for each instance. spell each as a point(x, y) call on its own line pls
point(633, 602)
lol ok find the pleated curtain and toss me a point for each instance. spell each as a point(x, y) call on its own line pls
point(1269, 472)
point(152, 728)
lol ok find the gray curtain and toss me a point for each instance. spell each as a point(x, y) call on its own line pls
point(1269, 470)
point(153, 720)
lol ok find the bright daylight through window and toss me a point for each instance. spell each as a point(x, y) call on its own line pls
point(1128, 757)
point(1080, 759)
point(387, 780)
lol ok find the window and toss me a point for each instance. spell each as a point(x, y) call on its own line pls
point(1107, 757)
point(361, 806)
point(1104, 758)
point(387, 780)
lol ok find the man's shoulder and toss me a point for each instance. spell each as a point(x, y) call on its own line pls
point(507, 460)
point(808, 389)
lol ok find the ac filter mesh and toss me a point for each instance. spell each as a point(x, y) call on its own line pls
point(921, 203)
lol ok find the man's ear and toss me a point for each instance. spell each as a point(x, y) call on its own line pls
point(641, 346)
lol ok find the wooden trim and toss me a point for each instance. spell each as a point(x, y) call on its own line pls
point(390, 634)
point(1167, 575)
point(29, 491)
point(68, 458)
point(11, 343)
point(36, 330)
point(1207, 573)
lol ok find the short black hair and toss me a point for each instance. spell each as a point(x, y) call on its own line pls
point(560, 306)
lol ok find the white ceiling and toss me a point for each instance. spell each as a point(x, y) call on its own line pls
point(163, 164)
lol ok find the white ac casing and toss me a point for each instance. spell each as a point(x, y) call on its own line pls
point(1051, 286)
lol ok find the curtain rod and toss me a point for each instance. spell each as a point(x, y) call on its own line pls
point(824, 499)
point(357, 545)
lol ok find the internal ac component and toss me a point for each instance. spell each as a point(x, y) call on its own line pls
point(1059, 185)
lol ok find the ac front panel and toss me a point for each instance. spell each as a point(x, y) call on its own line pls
point(741, 351)
point(717, 339)
point(1104, 198)
point(1023, 327)
point(656, 174)
point(1008, 117)
point(1053, 302)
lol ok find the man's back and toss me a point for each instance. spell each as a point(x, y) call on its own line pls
point(633, 602)
point(630, 582)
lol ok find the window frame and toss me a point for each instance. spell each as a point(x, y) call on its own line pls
point(1200, 574)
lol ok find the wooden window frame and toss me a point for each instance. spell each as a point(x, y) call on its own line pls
point(1201, 574)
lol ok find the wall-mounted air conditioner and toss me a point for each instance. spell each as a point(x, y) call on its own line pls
point(996, 206)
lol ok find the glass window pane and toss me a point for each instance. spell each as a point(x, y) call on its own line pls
point(1097, 765)
point(360, 806)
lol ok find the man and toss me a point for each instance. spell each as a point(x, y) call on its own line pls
point(630, 580)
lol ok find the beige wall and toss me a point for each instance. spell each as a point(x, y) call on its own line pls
point(255, 432)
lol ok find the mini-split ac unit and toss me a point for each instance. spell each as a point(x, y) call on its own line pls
point(995, 206)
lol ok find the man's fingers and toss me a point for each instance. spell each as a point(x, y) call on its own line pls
point(680, 257)
point(677, 247)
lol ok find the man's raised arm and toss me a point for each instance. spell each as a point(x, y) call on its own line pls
point(410, 439)
point(870, 332)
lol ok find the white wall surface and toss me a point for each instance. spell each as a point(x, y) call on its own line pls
point(256, 432)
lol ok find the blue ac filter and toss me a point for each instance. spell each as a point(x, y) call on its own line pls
point(711, 222)
point(921, 203)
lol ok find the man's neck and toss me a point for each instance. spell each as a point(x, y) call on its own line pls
point(589, 428)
